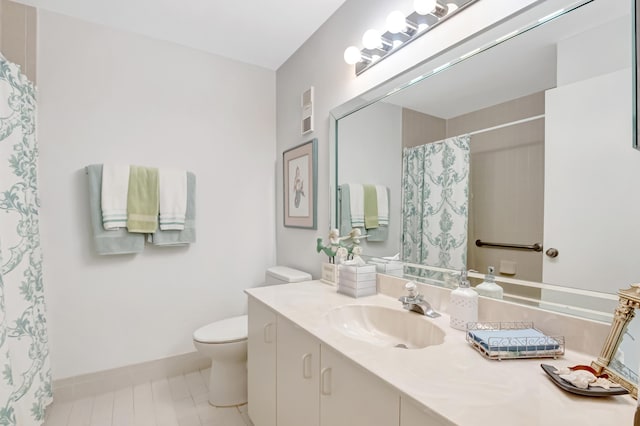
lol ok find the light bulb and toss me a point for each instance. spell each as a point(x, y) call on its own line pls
point(371, 39)
point(396, 22)
point(422, 27)
point(352, 55)
point(397, 43)
point(451, 7)
point(424, 7)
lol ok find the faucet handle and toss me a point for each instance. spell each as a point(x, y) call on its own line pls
point(411, 288)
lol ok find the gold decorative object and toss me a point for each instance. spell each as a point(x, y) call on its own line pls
point(629, 301)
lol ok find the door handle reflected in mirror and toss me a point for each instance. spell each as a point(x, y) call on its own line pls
point(552, 252)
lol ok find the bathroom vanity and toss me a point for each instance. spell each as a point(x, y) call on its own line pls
point(308, 365)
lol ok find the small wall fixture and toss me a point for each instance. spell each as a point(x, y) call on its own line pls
point(401, 30)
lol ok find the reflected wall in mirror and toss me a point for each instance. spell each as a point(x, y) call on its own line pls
point(550, 118)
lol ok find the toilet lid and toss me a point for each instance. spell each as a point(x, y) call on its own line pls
point(288, 275)
point(223, 331)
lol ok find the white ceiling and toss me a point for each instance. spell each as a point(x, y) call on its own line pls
point(521, 66)
point(259, 32)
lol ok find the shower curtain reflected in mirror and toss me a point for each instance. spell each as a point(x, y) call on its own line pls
point(25, 374)
point(435, 204)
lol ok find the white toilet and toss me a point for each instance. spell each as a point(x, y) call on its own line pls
point(225, 342)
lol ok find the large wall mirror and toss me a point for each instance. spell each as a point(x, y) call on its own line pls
point(534, 120)
point(547, 111)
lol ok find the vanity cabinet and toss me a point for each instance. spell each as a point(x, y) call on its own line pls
point(414, 414)
point(298, 376)
point(350, 395)
point(261, 364)
point(295, 380)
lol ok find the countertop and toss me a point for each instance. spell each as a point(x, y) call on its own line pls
point(451, 379)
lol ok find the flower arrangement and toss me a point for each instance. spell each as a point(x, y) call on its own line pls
point(339, 247)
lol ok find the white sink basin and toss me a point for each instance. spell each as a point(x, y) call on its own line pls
point(385, 327)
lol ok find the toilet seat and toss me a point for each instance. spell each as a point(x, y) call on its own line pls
point(224, 331)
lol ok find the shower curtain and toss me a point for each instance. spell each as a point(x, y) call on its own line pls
point(435, 200)
point(25, 374)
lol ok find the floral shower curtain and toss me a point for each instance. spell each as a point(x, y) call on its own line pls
point(435, 200)
point(25, 375)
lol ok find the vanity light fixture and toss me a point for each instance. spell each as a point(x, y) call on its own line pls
point(424, 7)
point(401, 30)
point(396, 22)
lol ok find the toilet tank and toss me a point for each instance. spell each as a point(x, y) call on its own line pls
point(284, 274)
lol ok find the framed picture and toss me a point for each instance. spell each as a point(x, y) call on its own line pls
point(300, 171)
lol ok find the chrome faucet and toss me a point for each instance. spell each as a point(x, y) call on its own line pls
point(415, 302)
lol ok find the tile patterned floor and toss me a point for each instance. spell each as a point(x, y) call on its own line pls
point(172, 401)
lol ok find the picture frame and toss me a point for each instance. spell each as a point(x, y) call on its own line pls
point(300, 185)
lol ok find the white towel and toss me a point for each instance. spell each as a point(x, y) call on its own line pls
point(383, 205)
point(115, 188)
point(173, 198)
point(356, 199)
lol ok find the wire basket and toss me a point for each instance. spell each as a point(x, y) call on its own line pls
point(513, 340)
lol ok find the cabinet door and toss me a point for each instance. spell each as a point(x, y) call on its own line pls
point(261, 363)
point(351, 396)
point(298, 376)
point(413, 414)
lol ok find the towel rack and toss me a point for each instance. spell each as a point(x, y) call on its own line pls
point(532, 247)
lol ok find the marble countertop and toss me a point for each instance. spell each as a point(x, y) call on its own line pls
point(451, 379)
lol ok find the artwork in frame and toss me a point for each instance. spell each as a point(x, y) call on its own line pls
point(300, 174)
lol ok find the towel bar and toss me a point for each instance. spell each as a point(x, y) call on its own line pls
point(532, 247)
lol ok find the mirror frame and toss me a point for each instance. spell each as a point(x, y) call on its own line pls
point(629, 301)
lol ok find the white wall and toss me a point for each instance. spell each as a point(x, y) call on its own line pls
point(610, 43)
point(378, 126)
point(319, 63)
point(107, 96)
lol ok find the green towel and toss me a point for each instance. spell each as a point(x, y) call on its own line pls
point(142, 200)
point(370, 207)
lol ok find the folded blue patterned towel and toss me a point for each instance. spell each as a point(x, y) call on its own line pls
point(527, 339)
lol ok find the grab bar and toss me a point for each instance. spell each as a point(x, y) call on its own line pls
point(532, 247)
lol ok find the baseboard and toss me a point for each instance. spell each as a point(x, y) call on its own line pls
point(110, 380)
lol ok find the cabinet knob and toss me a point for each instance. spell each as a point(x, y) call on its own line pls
point(552, 252)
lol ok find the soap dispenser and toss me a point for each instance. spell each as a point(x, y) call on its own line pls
point(463, 305)
point(488, 287)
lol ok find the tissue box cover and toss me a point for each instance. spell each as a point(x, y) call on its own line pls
point(345, 282)
point(356, 292)
point(391, 268)
point(357, 273)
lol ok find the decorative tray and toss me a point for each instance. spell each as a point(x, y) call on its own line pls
point(509, 340)
point(594, 391)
